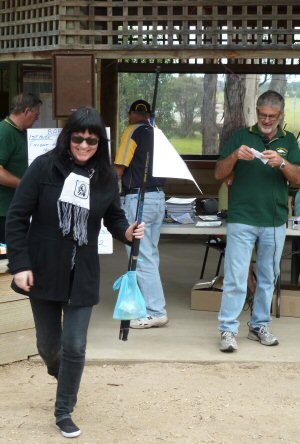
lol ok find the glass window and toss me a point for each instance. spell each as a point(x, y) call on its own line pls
point(198, 112)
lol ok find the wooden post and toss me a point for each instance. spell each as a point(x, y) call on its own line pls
point(14, 86)
point(109, 99)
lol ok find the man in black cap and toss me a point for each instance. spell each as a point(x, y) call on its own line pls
point(137, 140)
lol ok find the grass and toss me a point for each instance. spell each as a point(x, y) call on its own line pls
point(192, 145)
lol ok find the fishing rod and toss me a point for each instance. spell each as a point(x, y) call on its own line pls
point(134, 252)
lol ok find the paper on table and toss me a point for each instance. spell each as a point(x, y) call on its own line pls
point(181, 201)
point(184, 218)
point(213, 223)
point(209, 218)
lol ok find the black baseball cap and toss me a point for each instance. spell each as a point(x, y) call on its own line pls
point(140, 107)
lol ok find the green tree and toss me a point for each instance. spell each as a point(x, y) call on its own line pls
point(209, 127)
point(187, 94)
point(133, 86)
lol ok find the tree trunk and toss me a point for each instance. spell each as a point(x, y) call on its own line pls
point(234, 95)
point(278, 83)
point(251, 94)
point(209, 126)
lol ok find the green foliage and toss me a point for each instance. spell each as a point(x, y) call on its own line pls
point(179, 102)
point(133, 86)
point(180, 94)
point(187, 95)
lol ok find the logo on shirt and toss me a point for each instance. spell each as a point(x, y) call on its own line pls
point(282, 151)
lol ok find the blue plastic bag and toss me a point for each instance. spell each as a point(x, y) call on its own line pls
point(130, 303)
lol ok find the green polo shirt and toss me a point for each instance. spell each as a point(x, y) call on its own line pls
point(259, 193)
point(13, 157)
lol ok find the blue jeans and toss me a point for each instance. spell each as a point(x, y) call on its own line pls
point(148, 262)
point(61, 342)
point(241, 239)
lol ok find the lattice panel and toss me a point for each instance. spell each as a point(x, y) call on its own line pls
point(27, 25)
point(145, 25)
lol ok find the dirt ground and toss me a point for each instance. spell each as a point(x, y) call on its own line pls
point(224, 403)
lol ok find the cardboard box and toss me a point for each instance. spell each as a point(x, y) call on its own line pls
point(206, 294)
point(289, 301)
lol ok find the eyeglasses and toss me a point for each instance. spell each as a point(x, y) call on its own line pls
point(35, 111)
point(271, 117)
point(89, 140)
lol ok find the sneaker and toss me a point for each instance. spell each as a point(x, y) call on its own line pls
point(67, 428)
point(149, 321)
point(228, 342)
point(262, 335)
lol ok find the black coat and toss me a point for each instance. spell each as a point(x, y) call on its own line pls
point(40, 246)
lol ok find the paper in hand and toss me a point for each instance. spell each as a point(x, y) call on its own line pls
point(259, 155)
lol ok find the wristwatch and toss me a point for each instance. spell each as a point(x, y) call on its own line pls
point(282, 165)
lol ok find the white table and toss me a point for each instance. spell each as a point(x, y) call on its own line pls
point(209, 231)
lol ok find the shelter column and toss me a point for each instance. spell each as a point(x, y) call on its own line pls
point(109, 99)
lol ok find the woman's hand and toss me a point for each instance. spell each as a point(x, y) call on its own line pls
point(24, 280)
point(136, 231)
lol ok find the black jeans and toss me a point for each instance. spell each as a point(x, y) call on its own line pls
point(61, 342)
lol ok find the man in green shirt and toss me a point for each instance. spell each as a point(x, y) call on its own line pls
point(262, 159)
point(13, 149)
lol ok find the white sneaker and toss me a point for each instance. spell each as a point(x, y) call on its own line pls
point(149, 321)
point(263, 335)
point(228, 342)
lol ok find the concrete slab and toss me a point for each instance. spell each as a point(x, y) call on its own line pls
point(190, 336)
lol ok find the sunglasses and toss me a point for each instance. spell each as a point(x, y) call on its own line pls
point(89, 140)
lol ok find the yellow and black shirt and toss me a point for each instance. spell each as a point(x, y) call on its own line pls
point(136, 141)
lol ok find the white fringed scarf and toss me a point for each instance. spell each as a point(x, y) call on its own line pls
point(73, 207)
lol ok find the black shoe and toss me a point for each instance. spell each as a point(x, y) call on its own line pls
point(67, 428)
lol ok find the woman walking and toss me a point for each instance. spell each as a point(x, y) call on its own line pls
point(52, 237)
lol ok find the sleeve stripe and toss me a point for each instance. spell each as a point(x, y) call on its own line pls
point(128, 143)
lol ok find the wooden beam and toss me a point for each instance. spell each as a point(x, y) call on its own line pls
point(271, 52)
point(213, 68)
